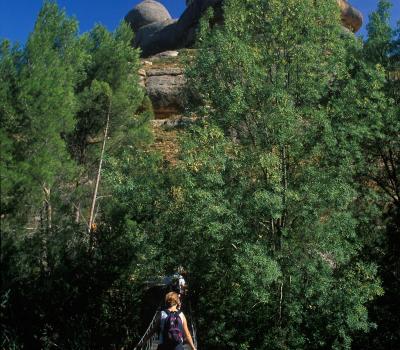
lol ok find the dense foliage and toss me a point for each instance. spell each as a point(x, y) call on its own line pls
point(283, 206)
point(62, 284)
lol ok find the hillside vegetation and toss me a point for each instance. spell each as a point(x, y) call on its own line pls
point(280, 197)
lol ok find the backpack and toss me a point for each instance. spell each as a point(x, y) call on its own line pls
point(172, 332)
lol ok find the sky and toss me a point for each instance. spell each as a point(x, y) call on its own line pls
point(17, 17)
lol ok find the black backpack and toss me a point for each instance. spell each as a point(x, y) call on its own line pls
point(173, 329)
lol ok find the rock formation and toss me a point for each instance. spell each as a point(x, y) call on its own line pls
point(156, 31)
point(351, 17)
point(163, 78)
point(166, 34)
point(147, 12)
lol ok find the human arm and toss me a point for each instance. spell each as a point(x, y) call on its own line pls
point(187, 333)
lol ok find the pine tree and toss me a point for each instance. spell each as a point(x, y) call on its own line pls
point(378, 43)
point(37, 111)
point(59, 90)
point(113, 66)
point(48, 103)
point(10, 176)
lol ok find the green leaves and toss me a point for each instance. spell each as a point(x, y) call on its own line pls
point(55, 97)
point(255, 272)
point(281, 191)
point(269, 80)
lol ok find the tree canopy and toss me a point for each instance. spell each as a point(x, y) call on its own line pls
point(283, 204)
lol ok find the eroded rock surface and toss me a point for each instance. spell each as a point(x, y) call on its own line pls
point(163, 78)
point(165, 89)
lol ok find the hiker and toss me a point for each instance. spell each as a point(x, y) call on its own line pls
point(181, 281)
point(176, 283)
point(172, 326)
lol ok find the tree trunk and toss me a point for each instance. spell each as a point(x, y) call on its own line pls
point(47, 206)
point(91, 217)
point(43, 232)
point(78, 213)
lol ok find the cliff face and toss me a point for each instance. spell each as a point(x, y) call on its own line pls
point(163, 78)
point(164, 81)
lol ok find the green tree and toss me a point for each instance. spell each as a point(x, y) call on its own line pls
point(58, 90)
point(44, 105)
point(113, 64)
point(379, 111)
point(38, 109)
point(267, 188)
point(10, 176)
point(378, 44)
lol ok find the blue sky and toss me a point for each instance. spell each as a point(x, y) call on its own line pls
point(17, 17)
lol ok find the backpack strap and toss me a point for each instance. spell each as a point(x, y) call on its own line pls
point(178, 312)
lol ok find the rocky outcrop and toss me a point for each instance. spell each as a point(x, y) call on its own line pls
point(157, 32)
point(167, 34)
point(164, 80)
point(165, 89)
point(147, 12)
point(159, 37)
point(351, 17)
point(162, 77)
point(155, 37)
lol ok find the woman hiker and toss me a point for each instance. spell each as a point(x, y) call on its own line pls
point(172, 325)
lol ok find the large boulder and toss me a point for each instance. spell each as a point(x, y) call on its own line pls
point(153, 38)
point(157, 33)
point(351, 17)
point(147, 12)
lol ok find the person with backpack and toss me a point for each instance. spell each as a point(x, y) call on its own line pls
point(172, 326)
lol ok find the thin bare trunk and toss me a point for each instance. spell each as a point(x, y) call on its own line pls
point(44, 265)
point(78, 213)
point(280, 303)
point(284, 183)
point(91, 217)
point(47, 205)
point(45, 226)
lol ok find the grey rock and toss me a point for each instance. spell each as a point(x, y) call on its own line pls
point(156, 37)
point(165, 34)
point(165, 90)
point(164, 71)
point(147, 12)
point(165, 54)
point(145, 35)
